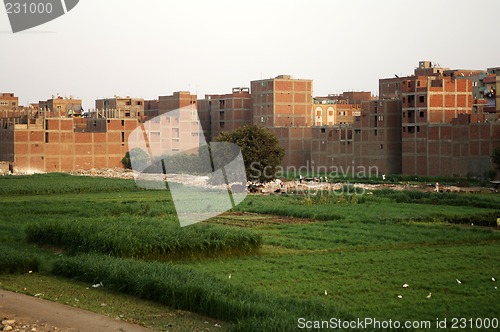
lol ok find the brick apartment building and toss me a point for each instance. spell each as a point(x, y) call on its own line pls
point(284, 105)
point(371, 143)
point(436, 122)
point(132, 107)
point(226, 112)
point(338, 109)
point(8, 101)
point(58, 137)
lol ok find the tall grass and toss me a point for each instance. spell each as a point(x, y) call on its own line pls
point(14, 260)
point(184, 288)
point(143, 238)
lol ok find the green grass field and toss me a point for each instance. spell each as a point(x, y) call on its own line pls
point(273, 260)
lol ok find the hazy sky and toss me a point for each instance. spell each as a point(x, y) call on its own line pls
point(147, 48)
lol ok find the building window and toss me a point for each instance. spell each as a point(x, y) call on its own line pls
point(221, 124)
point(323, 130)
point(123, 137)
point(421, 114)
point(418, 129)
point(381, 146)
point(411, 130)
point(123, 123)
point(421, 99)
point(404, 129)
point(46, 137)
point(375, 132)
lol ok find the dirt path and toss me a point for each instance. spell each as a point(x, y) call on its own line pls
point(34, 314)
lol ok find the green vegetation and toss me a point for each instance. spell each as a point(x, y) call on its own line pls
point(262, 153)
point(320, 256)
point(185, 288)
point(108, 302)
point(142, 237)
point(17, 260)
point(58, 183)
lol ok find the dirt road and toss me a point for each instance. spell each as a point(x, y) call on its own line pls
point(34, 314)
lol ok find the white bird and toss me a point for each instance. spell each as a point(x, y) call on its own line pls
point(217, 325)
point(326, 293)
point(430, 295)
point(229, 276)
point(493, 279)
point(459, 281)
point(406, 286)
point(400, 296)
point(98, 285)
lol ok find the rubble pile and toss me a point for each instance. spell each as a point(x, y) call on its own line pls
point(13, 326)
point(116, 173)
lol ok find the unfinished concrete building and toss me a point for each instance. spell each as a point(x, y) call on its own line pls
point(8, 101)
point(226, 112)
point(284, 105)
point(129, 107)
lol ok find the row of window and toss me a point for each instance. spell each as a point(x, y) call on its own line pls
point(411, 99)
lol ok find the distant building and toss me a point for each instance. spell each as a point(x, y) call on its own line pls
point(284, 105)
point(226, 112)
point(60, 106)
point(8, 101)
point(282, 102)
point(128, 107)
point(338, 109)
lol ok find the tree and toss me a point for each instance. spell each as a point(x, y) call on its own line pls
point(260, 148)
point(140, 158)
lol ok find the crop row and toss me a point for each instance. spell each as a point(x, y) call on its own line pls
point(143, 238)
point(16, 260)
point(184, 288)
